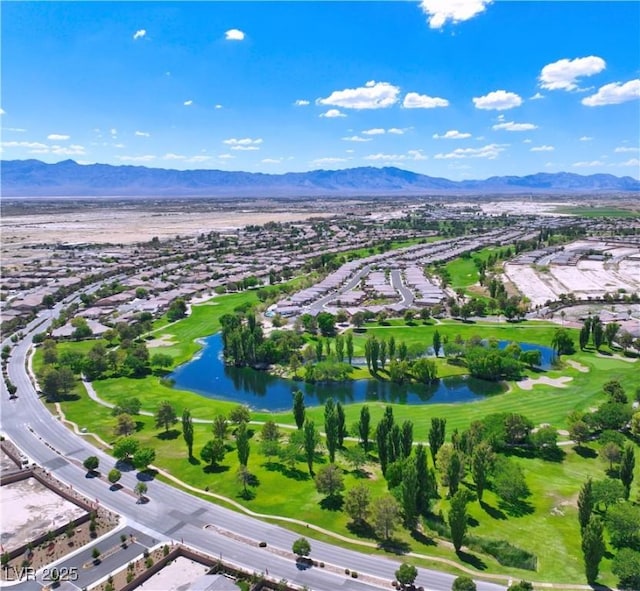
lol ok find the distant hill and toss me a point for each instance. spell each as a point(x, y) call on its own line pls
point(33, 178)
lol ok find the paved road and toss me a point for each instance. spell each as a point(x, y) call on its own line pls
point(405, 292)
point(320, 303)
point(175, 515)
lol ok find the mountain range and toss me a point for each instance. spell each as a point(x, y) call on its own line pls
point(33, 178)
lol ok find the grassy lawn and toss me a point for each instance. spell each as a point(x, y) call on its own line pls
point(598, 212)
point(463, 271)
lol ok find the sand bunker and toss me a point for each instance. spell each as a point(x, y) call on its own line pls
point(166, 340)
point(529, 383)
point(176, 576)
point(578, 366)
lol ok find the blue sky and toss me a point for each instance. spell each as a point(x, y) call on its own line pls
point(453, 88)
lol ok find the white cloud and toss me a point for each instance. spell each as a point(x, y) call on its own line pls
point(58, 137)
point(413, 100)
point(527, 141)
point(145, 158)
point(234, 35)
point(441, 11)
point(218, 107)
point(139, 34)
point(374, 131)
point(188, 103)
point(586, 138)
point(2, 111)
point(142, 133)
point(416, 155)
point(301, 103)
point(490, 151)
point(332, 113)
point(511, 126)
point(410, 155)
point(271, 160)
point(31, 145)
point(226, 156)
point(614, 94)
point(398, 130)
point(498, 100)
point(356, 138)
point(16, 129)
point(588, 164)
point(536, 97)
point(72, 150)
point(623, 149)
point(171, 156)
point(564, 73)
point(452, 134)
point(118, 145)
point(373, 95)
point(632, 162)
point(198, 159)
point(113, 131)
point(246, 144)
point(324, 161)
point(542, 149)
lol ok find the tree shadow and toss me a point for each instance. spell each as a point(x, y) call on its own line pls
point(359, 473)
point(92, 474)
point(139, 426)
point(473, 560)
point(168, 435)
point(553, 454)
point(247, 495)
point(361, 529)
point(395, 546)
point(253, 480)
point(147, 475)
point(585, 452)
point(419, 537)
point(215, 469)
point(492, 512)
point(194, 461)
point(472, 521)
point(124, 466)
point(115, 487)
point(303, 563)
point(294, 473)
point(518, 508)
point(332, 503)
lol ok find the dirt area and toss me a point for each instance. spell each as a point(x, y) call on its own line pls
point(176, 576)
point(124, 226)
point(6, 463)
point(28, 509)
point(529, 383)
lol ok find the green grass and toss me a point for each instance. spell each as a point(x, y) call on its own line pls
point(598, 212)
point(463, 272)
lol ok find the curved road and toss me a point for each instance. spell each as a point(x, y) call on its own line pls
point(172, 514)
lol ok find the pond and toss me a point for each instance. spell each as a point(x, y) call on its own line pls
point(206, 374)
point(547, 355)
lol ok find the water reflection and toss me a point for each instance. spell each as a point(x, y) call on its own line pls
point(209, 376)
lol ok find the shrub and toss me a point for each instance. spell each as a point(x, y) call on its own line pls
point(148, 562)
point(354, 574)
point(262, 544)
point(504, 552)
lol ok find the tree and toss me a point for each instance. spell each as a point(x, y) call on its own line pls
point(364, 427)
point(331, 428)
point(409, 492)
point(341, 424)
point(161, 360)
point(522, 585)
point(356, 503)
point(457, 518)
point(242, 444)
point(593, 547)
point(626, 566)
point(270, 431)
point(437, 343)
point(326, 324)
point(612, 415)
point(166, 415)
point(240, 414)
point(143, 457)
point(436, 436)
point(463, 584)
point(607, 491)
point(635, 424)
point(532, 358)
point(301, 547)
point(385, 514)
point(610, 452)
point(141, 490)
point(482, 462)
point(177, 310)
point(579, 431)
point(562, 343)
point(187, 430)
point(125, 448)
point(406, 574)
point(407, 438)
point(509, 482)
point(426, 480)
point(545, 440)
point(349, 343)
point(517, 428)
point(219, 427)
point(298, 408)
point(311, 442)
point(425, 370)
point(585, 503)
point(244, 477)
point(329, 480)
point(213, 452)
point(455, 472)
point(130, 406)
point(91, 463)
point(583, 338)
point(615, 392)
point(610, 331)
point(627, 466)
point(355, 456)
point(598, 333)
point(623, 523)
point(114, 476)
